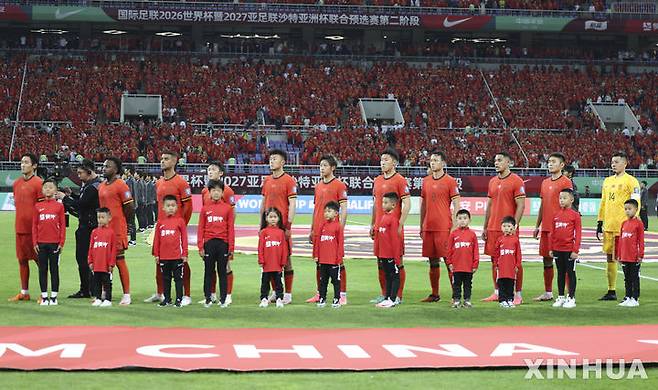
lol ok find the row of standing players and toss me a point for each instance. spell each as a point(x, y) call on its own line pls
point(439, 191)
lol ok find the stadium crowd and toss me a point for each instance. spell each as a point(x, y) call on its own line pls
point(86, 93)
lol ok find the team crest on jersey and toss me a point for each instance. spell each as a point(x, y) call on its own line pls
point(523, 189)
point(188, 192)
point(127, 194)
point(294, 189)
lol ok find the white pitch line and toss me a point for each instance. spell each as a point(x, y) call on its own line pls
point(357, 223)
point(619, 272)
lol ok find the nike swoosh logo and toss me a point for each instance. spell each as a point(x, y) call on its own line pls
point(448, 24)
point(63, 15)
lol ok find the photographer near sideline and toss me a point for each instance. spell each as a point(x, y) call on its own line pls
point(83, 206)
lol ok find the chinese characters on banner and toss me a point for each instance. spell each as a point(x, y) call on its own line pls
point(138, 15)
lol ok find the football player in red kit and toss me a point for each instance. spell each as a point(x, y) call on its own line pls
point(328, 189)
point(438, 193)
point(280, 191)
point(114, 194)
point(173, 184)
point(27, 192)
point(550, 205)
point(506, 198)
point(216, 172)
point(390, 181)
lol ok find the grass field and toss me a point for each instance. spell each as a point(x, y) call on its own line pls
point(362, 285)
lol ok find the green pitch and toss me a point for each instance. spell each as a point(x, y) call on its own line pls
point(362, 286)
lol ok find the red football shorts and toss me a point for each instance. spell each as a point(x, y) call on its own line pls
point(24, 248)
point(490, 244)
point(435, 244)
point(375, 244)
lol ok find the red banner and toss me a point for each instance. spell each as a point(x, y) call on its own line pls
point(94, 348)
point(13, 13)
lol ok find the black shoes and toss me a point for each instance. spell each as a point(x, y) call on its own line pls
point(611, 295)
point(79, 295)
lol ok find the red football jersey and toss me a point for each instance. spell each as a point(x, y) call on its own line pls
point(566, 231)
point(170, 242)
point(388, 240)
point(114, 196)
point(216, 220)
point(396, 183)
point(228, 195)
point(26, 194)
point(333, 191)
point(330, 245)
point(102, 249)
point(464, 254)
point(49, 223)
point(272, 249)
point(176, 186)
point(503, 193)
point(630, 247)
point(277, 191)
point(437, 195)
point(550, 199)
point(508, 257)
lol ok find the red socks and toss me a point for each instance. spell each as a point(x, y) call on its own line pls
point(549, 273)
point(493, 276)
point(124, 275)
point(519, 279)
point(158, 279)
point(343, 279)
point(403, 278)
point(229, 283)
point(435, 276)
point(382, 280)
point(186, 279)
point(288, 278)
point(24, 268)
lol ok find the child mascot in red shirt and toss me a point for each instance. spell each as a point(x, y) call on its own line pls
point(330, 254)
point(272, 255)
point(102, 258)
point(170, 250)
point(564, 237)
point(48, 236)
point(630, 253)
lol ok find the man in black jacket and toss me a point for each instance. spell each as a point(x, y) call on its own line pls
point(83, 206)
